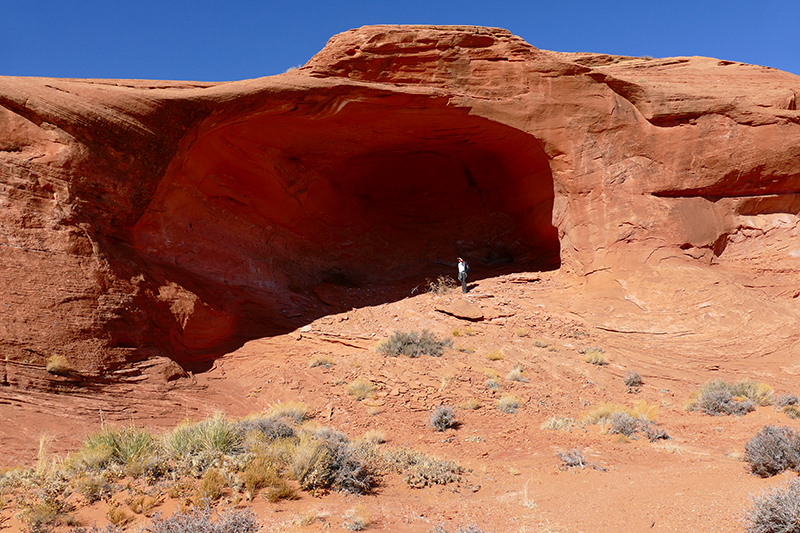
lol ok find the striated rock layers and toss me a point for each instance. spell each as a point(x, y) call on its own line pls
point(145, 219)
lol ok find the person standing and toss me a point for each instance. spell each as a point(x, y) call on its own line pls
point(463, 268)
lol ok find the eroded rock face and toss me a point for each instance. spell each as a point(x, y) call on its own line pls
point(149, 219)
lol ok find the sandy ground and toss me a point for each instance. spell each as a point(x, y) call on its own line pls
point(696, 481)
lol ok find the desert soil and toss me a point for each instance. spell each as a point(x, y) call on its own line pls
point(696, 481)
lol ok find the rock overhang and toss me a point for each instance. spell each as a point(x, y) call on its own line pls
point(202, 212)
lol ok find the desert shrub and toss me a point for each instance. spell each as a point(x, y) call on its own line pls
point(110, 528)
point(122, 445)
point(754, 391)
point(721, 398)
point(414, 344)
point(143, 504)
point(783, 400)
point(320, 360)
point(471, 404)
point(297, 411)
point(494, 355)
point(493, 384)
point(361, 389)
point(594, 355)
point(508, 404)
point(211, 486)
point(601, 414)
point(421, 470)
point(558, 423)
point(517, 374)
point(93, 487)
point(539, 343)
point(117, 516)
point(327, 460)
point(792, 411)
point(773, 450)
point(442, 285)
point(440, 528)
point(715, 398)
point(260, 472)
point(356, 520)
point(201, 521)
point(443, 417)
point(625, 424)
point(572, 458)
point(57, 364)
point(215, 435)
point(267, 428)
point(776, 510)
point(374, 436)
point(521, 332)
point(632, 380)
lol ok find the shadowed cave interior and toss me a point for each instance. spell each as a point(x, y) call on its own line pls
point(276, 220)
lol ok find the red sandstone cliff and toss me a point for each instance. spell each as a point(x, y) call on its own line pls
point(174, 219)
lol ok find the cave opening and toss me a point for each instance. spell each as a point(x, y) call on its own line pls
point(271, 209)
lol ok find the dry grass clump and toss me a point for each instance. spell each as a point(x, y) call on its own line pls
point(594, 355)
point(517, 374)
point(117, 516)
point(539, 343)
point(773, 450)
point(93, 487)
point(493, 385)
point(471, 404)
point(211, 486)
point(297, 411)
point(125, 446)
point(421, 470)
point(441, 285)
point(356, 519)
point(326, 459)
point(57, 364)
point(721, 398)
point(558, 423)
point(494, 355)
point(201, 520)
point(443, 418)
point(776, 510)
point(213, 435)
point(374, 436)
point(626, 421)
point(572, 458)
point(414, 344)
point(632, 380)
point(601, 414)
point(322, 360)
point(521, 332)
point(508, 404)
point(361, 389)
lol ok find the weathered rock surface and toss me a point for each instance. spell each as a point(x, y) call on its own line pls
point(146, 219)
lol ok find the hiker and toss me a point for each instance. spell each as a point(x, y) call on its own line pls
point(463, 268)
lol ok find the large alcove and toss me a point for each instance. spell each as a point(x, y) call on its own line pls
point(263, 209)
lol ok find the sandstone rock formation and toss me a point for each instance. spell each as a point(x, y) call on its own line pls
point(145, 219)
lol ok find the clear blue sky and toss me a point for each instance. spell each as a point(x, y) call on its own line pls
point(237, 39)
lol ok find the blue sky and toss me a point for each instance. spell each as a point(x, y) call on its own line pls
point(238, 39)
